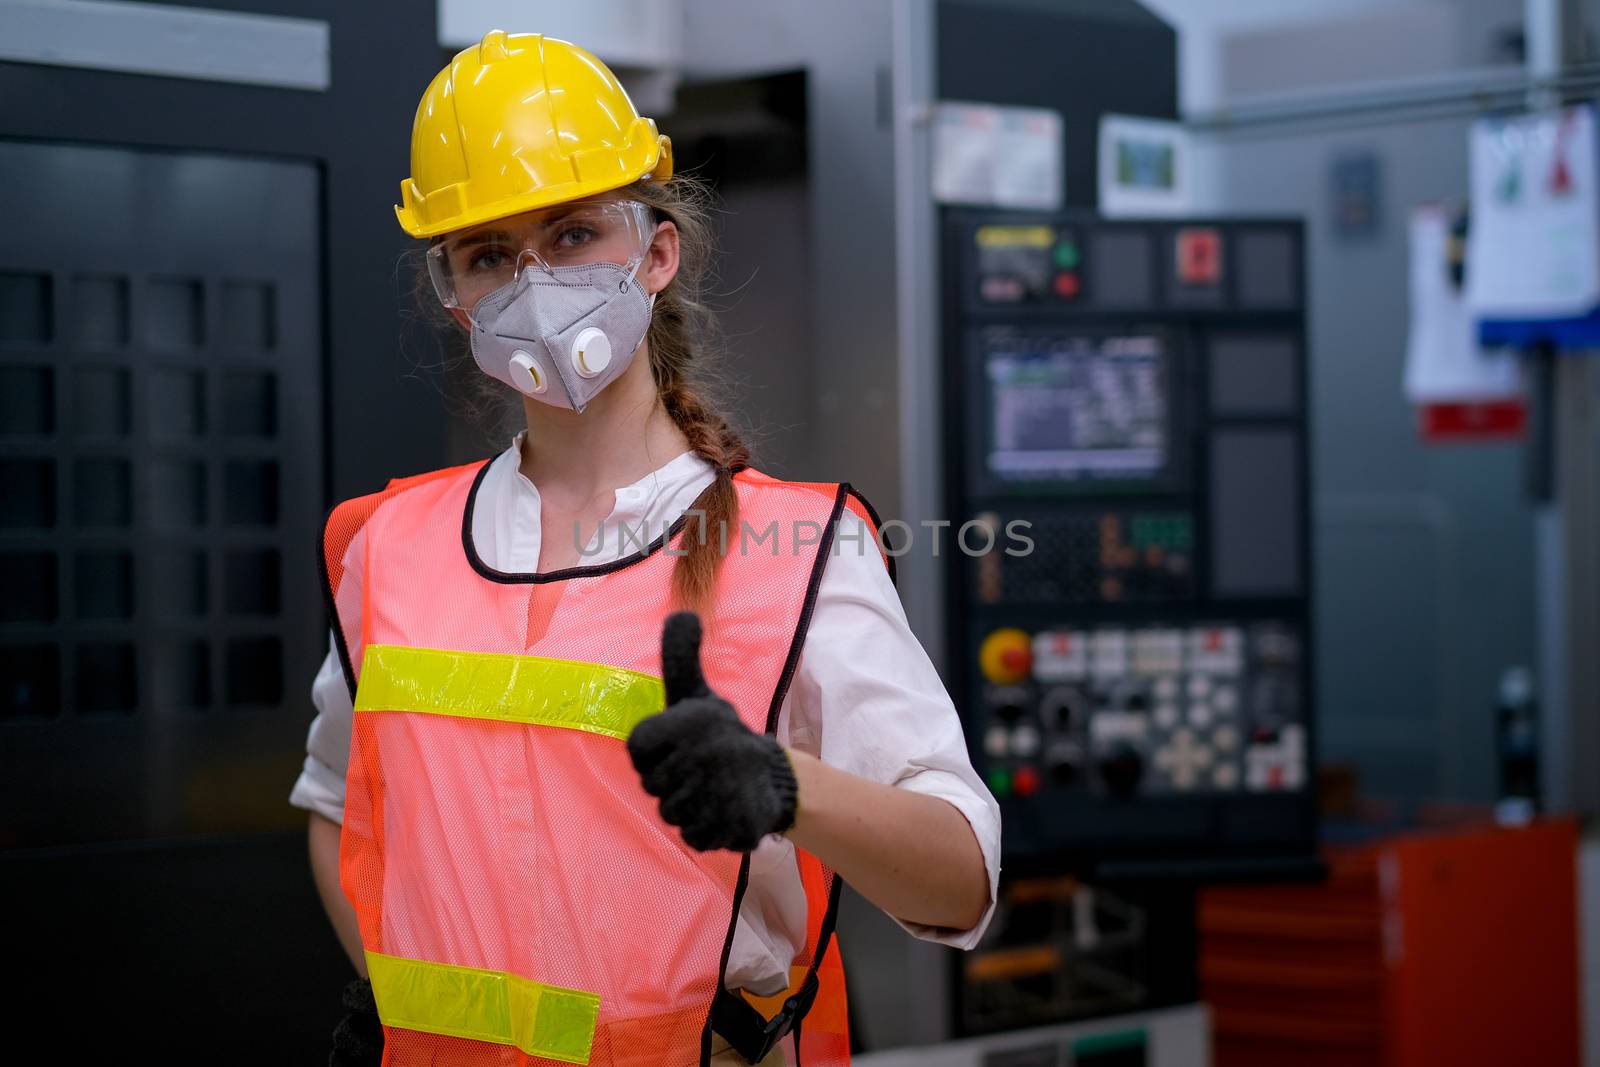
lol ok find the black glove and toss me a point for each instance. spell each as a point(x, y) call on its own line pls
point(720, 783)
point(358, 1039)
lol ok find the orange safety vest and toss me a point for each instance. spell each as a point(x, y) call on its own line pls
point(520, 900)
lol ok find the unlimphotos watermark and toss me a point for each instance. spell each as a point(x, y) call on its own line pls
point(975, 537)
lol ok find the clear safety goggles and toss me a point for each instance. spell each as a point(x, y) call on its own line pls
point(469, 266)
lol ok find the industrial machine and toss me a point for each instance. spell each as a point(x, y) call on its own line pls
point(1134, 651)
point(1128, 621)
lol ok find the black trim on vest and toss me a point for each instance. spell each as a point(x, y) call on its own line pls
point(877, 523)
point(507, 578)
point(741, 1025)
point(332, 607)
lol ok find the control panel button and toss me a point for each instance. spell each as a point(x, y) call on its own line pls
point(1120, 769)
point(1024, 741)
point(1006, 656)
point(1216, 650)
point(1158, 652)
point(999, 782)
point(1009, 713)
point(1025, 781)
point(1068, 286)
point(997, 742)
point(1060, 656)
point(1108, 653)
point(1064, 707)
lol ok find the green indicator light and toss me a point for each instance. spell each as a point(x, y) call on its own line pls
point(999, 782)
point(1066, 255)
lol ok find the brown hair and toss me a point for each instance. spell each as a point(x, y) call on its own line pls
point(683, 339)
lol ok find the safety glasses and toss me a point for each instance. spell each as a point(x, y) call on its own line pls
point(468, 266)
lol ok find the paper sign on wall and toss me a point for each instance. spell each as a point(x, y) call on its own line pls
point(1462, 391)
point(994, 156)
point(1535, 245)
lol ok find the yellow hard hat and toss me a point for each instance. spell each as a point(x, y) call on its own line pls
point(519, 122)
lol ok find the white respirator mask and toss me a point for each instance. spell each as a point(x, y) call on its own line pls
point(554, 314)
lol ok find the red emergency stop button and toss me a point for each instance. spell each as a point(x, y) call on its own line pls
point(1025, 781)
point(1006, 656)
point(1067, 286)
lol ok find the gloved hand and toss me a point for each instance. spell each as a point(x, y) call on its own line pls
point(722, 784)
point(358, 1039)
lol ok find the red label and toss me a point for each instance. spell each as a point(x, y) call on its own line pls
point(1494, 420)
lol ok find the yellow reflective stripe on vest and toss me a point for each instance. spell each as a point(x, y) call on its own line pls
point(441, 998)
point(523, 689)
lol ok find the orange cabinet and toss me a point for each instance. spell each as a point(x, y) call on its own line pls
point(1452, 949)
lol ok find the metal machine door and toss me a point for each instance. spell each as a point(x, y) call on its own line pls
point(161, 458)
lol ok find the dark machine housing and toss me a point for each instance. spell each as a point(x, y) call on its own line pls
point(1131, 398)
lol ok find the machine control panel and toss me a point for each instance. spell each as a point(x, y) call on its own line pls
point(1109, 556)
point(1146, 710)
point(1129, 398)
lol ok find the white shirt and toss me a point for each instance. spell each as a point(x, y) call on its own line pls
point(864, 698)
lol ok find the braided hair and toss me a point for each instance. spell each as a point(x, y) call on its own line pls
point(682, 337)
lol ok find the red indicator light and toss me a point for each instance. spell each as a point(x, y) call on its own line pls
point(1025, 781)
point(1199, 256)
point(1067, 286)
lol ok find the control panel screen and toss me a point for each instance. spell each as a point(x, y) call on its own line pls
point(1077, 408)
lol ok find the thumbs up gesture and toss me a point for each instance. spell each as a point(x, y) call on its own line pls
point(721, 784)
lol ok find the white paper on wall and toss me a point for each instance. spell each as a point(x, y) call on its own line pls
point(1534, 251)
point(997, 156)
point(1444, 362)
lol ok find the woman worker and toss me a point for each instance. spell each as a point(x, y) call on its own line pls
point(604, 714)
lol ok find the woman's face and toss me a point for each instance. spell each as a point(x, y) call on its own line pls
point(470, 264)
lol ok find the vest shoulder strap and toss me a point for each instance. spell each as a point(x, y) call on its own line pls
point(852, 500)
point(344, 521)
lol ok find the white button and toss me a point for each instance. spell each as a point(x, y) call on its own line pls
point(525, 374)
point(1024, 741)
point(1200, 714)
point(1226, 700)
point(1167, 688)
point(1226, 776)
point(1166, 716)
point(1225, 737)
point(591, 352)
point(997, 741)
point(1199, 687)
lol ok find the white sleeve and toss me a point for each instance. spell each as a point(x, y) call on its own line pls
point(866, 699)
point(320, 787)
